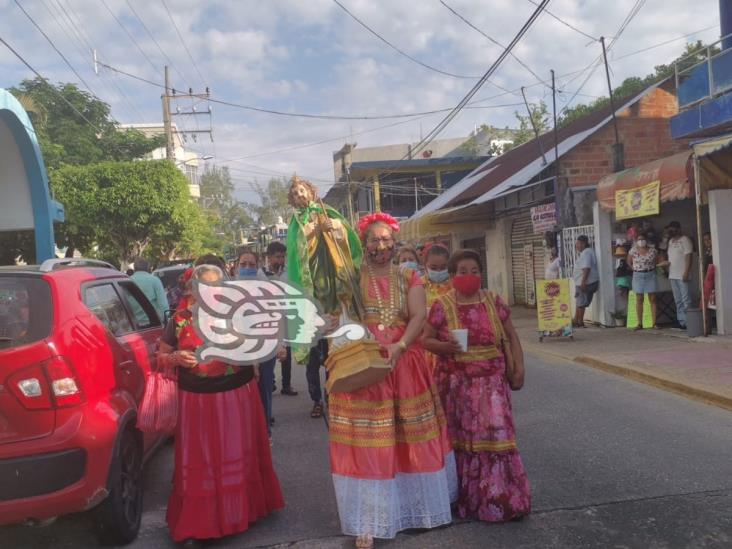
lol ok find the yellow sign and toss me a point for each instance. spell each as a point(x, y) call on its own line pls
point(633, 315)
point(640, 202)
point(553, 304)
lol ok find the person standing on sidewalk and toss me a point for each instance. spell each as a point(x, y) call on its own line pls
point(643, 260)
point(275, 269)
point(316, 359)
point(586, 278)
point(680, 251)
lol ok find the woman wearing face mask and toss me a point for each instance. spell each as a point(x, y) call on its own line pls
point(475, 392)
point(407, 258)
point(643, 260)
point(223, 479)
point(436, 281)
point(392, 464)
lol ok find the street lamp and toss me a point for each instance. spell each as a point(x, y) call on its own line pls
point(184, 162)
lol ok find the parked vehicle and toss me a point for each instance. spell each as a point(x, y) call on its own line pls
point(169, 275)
point(77, 338)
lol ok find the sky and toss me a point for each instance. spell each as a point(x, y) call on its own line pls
point(312, 57)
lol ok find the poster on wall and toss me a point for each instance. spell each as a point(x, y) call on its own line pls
point(544, 218)
point(640, 202)
point(553, 306)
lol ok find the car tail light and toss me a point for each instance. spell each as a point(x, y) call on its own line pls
point(65, 387)
point(45, 385)
point(31, 388)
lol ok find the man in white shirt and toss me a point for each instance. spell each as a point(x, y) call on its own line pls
point(586, 278)
point(680, 251)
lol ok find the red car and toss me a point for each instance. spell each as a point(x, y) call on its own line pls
point(77, 338)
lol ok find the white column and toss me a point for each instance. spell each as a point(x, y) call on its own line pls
point(720, 224)
point(604, 307)
point(498, 259)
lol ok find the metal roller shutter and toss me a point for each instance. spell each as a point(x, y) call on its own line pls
point(526, 246)
point(478, 244)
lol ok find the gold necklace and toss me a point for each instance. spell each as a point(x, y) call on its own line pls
point(386, 316)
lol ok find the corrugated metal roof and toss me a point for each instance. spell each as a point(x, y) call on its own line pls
point(518, 166)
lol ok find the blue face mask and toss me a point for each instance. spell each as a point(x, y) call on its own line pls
point(437, 276)
point(247, 272)
point(409, 265)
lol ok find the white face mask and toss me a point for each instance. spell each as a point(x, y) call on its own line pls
point(642, 243)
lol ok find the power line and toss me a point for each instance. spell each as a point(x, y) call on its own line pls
point(496, 42)
point(665, 43)
point(185, 46)
point(398, 50)
point(130, 36)
point(563, 22)
point(152, 37)
point(38, 74)
point(58, 51)
point(295, 114)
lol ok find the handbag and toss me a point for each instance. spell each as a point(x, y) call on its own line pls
point(158, 412)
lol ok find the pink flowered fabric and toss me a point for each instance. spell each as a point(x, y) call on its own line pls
point(477, 401)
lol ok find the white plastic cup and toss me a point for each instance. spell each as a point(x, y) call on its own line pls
point(462, 338)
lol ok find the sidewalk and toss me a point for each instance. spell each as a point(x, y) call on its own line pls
point(699, 368)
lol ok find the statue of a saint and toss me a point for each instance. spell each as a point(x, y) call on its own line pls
point(323, 253)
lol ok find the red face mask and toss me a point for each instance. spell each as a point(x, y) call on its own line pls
point(466, 284)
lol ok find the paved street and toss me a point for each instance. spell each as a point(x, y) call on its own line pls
point(613, 463)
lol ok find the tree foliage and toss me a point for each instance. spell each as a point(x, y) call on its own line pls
point(539, 114)
point(127, 207)
point(226, 214)
point(66, 138)
point(274, 199)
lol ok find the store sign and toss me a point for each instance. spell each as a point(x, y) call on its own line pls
point(553, 304)
point(640, 202)
point(544, 218)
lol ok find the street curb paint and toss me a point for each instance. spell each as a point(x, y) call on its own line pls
point(658, 382)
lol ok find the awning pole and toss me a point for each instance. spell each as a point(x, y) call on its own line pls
point(700, 241)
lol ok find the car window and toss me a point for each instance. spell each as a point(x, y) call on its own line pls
point(103, 301)
point(143, 312)
point(25, 310)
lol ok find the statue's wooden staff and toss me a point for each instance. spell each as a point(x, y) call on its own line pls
point(356, 284)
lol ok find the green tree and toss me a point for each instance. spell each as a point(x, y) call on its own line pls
point(525, 131)
point(694, 53)
point(66, 138)
point(228, 216)
point(275, 202)
point(125, 206)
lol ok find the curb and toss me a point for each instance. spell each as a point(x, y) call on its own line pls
point(672, 386)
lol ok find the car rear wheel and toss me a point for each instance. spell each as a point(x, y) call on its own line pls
point(120, 514)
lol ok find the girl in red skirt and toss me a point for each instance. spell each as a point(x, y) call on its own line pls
point(224, 479)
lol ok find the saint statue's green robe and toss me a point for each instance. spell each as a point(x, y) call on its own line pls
point(325, 263)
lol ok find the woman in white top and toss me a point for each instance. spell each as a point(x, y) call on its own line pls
point(553, 269)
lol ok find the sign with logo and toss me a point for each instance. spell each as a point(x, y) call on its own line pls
point(553, 304)
point(544, 217)
point(640, 202)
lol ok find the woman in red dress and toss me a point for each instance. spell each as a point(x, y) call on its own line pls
point(224, 479)
point(392, 464)
point(475, 391)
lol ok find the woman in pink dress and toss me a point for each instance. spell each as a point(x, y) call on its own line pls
point(223, 479)
point(393, 467)
point(475, 392)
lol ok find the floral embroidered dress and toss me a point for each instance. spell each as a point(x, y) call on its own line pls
point(493, 485)
point(392, 464)
point(433, 290)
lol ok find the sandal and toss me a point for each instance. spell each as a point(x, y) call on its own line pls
point(364, 542)
point(317, 410)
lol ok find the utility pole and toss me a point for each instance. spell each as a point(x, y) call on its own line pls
point(349, 186)
point(169, 151)
point(533, 125)
point(618, 154)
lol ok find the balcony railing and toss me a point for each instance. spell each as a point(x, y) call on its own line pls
point(703, 74)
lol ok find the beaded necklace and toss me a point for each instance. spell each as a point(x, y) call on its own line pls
point(387, 316)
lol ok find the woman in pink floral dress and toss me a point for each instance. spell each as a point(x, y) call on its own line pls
point(475, 393)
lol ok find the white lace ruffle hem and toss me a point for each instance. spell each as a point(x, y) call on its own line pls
point(381, 508)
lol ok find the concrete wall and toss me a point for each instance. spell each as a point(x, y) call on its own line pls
point(720, 204)
point(498, 259)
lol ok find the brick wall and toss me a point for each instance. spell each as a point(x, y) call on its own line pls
point(644, 132)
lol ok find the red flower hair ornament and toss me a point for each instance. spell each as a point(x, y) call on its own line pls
point(379, 217)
